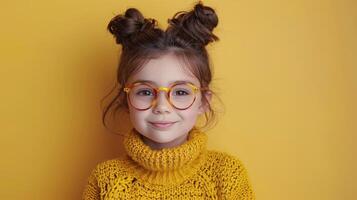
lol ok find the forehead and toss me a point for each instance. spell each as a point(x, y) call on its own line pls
point(163, 71)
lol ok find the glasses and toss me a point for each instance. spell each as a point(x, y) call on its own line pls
point(142, 96)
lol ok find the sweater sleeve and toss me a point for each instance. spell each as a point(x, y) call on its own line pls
point(235, 182)
point(91, 190)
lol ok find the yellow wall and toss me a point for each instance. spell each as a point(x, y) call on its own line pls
point(285, 70)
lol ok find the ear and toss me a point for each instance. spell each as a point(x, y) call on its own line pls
point(205, 105)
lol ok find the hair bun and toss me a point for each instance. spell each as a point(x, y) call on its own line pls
point(127, 28)
point(206, 16)
point(195, 27)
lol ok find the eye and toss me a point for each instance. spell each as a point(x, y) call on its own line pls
point(144, 92)
point(181, 93)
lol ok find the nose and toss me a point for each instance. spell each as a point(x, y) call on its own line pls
point(161, 105)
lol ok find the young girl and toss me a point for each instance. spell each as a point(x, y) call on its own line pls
point(164, 78)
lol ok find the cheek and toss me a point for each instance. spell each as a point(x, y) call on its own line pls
point(191, 114)
point(136, 117)
point(190, 117)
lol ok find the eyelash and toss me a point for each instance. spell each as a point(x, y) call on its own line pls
point(140, 92)
point(185, 93)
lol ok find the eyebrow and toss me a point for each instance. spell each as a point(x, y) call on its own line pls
point(170, 83)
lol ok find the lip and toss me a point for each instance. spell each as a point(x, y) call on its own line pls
point(162, 124)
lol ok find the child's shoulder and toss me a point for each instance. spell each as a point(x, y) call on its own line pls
point(223, 156)
point(218, 162)
point(225, 162)
point(110, 163)
point(110, 167)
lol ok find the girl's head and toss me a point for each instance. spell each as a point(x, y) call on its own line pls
point(153, 58)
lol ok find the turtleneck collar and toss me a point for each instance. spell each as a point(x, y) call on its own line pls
point(168, 165)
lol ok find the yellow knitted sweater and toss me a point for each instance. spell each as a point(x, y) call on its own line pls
point(188, 171)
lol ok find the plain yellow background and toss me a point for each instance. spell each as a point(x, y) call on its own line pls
point(285, 71)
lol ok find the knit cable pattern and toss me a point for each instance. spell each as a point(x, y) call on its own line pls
point(188, 171)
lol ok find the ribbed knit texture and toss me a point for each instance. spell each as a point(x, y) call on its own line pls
point(188, 171)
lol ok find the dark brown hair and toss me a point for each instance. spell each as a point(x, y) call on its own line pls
point(141, 39)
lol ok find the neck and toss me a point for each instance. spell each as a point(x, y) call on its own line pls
point(157, 146)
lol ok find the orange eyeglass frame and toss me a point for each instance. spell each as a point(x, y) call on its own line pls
point(128, 88)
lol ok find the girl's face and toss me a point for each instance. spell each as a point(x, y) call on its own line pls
point(162, 72)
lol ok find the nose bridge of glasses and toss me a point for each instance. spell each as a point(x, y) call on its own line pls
point(166, 89)
point(165, 95)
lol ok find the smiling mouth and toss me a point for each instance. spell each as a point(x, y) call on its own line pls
point(162, 125)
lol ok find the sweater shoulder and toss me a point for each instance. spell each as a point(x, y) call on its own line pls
point(106, 176)
point(222, 165)
point(110, 163)
point(109, 168)
point(224, 159)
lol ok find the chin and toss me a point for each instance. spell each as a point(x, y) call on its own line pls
point(161, 137)
point(163, 141)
